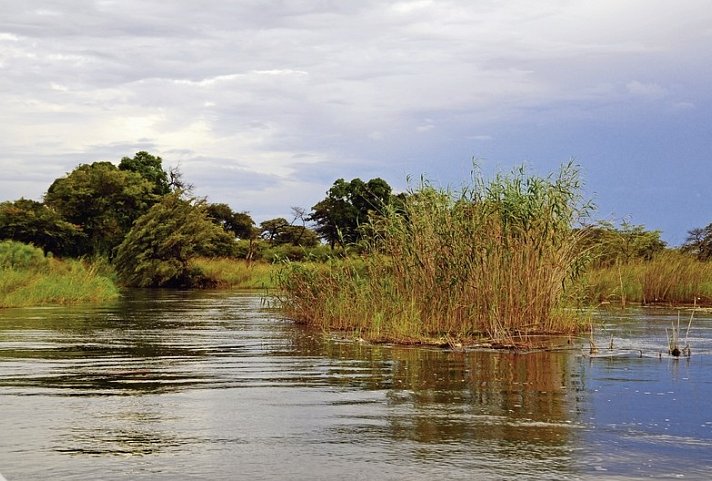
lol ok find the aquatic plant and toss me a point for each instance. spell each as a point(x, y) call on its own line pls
point(43, 281)
point(670, 277)
point(491, 259)
point(673, 338)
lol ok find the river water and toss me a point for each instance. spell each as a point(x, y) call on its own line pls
point(214, 386)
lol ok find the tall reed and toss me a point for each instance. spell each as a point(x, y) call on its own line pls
point(28, 278)
point(671, 277)
point(490, 260)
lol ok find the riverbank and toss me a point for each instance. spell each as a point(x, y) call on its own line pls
point(63, 282)
point(226, 273)
point(670, 278)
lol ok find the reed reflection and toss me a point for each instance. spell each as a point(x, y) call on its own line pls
point(438, 396)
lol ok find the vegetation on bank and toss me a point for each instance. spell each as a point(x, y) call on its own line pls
point(498, 259)
point(29, 278)
point(492, 260)
point(224, 272)
point(671, 277)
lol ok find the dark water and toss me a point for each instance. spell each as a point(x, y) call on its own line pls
point(213, 386)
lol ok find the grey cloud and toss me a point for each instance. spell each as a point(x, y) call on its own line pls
point(315, 90)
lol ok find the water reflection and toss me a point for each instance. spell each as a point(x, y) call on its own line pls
point(204, 384)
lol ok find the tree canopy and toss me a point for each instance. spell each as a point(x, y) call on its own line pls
point(238, 223)
point(103, 200)
point(150, 168)
point(699, 242)
point(610, 245)
point(35, 223)
point(347, 206)
point(157, 250)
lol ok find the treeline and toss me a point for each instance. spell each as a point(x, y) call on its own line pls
point(146, 222)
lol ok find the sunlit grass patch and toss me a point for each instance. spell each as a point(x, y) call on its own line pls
point(237, 273)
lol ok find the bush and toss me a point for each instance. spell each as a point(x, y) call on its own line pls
point(16, 255)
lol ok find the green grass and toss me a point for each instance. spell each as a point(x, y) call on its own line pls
point(237, 273)
point(61, 282)
point(490, 261)
point(669, 278)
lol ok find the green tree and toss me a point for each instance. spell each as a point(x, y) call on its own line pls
point(150, 168)
point(35, 223)
point(611, 245)
point(270, 229)
point(346, 207)
point(158, 249)
point(699, 242)
point(103, 200)
point(239, 223)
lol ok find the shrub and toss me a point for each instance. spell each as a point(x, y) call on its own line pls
point(17, 255)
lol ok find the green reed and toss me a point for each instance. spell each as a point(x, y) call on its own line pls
point(670, 277)
point(491, 260)
point(62, 282)
point(236, 273)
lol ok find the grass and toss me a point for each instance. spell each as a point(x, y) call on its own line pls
point(237, 273)
point(62, 282)
point(671, 278)
point(488, 262)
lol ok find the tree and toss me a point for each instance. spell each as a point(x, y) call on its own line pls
point(158, 249)
point(346, 207)
point(610, 245)
point(270, 229)
point(150, 168)
point(279, 231)
point(34, 223)
point(238, 223)
point(103, 200)
point(699, 242)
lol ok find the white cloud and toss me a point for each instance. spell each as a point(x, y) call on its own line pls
point(265, 85)
point(646, 90)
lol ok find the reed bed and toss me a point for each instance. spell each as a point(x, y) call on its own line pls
point(236, 273)
point(58, 282)
point(489, 261)
point(671, 277)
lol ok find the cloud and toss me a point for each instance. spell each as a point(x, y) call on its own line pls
point(259, 90)
point(645, 90)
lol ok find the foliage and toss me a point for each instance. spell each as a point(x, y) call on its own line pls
point(150, 168)
point(236, 273)
point(239, 223)
point(609, 245)
point(32, 222)
point(671, 277)
point(158, 249)
point(347, 206)
point(103, 200)
point(17, 255)
point(699, 243)
point(280, 232)
point(492, 260)
point(29, 278)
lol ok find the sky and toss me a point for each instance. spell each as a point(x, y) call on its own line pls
point(264, 104)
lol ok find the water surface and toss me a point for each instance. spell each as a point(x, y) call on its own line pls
point(214, 386)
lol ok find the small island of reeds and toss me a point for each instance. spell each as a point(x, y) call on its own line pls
point(490, 261)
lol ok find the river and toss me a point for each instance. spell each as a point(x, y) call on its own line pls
point(210, 385)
